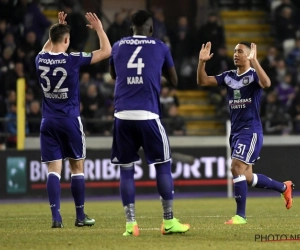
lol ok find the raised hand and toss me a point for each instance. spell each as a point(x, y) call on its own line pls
point(94, 21)
point(252, 55)
point(61, 17)
point(204, 54)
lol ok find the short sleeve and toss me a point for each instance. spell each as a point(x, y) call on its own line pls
point(113, 52)
point(169, 63)
point(37, 61)
point(78, 59)
point(111, 61)
point(255, 76)
point(220, 78)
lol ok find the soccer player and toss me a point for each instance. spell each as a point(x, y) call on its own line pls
point(62, 135)
point(244, 88)
point(137, 63)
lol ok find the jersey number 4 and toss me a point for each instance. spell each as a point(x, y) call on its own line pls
point(139, 65)
point(57, 88)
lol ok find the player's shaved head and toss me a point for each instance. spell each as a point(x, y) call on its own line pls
point(58, 31)
point(142, 23)
point(244, 44)
point(140, 18)
point(247, 44)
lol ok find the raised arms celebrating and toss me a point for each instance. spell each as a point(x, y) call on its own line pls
point(264, 80)
point(202, 78)
point(94, 23)
point(105, 47)
point(61, 20)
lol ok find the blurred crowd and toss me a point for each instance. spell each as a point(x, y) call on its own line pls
point(23, 32)
point(24, 27)
point(281, 105)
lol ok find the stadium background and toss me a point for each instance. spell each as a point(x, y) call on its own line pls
point(195, 117)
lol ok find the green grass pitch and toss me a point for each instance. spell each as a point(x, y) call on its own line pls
point(27, 226)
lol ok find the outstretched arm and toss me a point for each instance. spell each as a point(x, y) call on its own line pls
point(264, 80)
point(47, 46)
point(105, 47)
point(202, 78)
point(61, 19)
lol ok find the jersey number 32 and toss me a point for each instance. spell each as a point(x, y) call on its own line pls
point(44, 76)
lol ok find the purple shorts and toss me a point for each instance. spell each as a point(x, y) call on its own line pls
point(246, 147)
point(62, 138)
point(130, 135)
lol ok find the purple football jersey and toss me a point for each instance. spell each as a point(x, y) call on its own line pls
point(244, 94)
point(58, 75)
point(138, 63)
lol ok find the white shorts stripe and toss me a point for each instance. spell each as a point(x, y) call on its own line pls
point(82, 138)
point(252, 147)
point(163, 135)
point(164, 139)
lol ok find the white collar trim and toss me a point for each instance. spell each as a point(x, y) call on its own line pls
point(244, 72)
point(138, 36)
point(53, 53)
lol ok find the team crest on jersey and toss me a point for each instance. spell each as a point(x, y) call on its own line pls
point(246, 80)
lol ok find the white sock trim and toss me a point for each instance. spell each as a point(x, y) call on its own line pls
point(239, 178)
point(80, 174)
point(54, 173)
point(127, 165)
point(255, 179)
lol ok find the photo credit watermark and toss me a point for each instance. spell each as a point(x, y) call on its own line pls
point(276, 237)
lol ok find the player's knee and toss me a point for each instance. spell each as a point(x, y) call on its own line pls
point(249, 178)
point(76, 166)
point(237, 169)
point(163, 168)
point(127, 172)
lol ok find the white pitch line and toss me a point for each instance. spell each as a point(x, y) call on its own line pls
point(181, 216)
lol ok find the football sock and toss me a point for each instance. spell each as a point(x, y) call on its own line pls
point(164, 182)
point(167, 208)
point(53, 190)
point(78, 192)
point(130, 212)
point(127, 187)
point(127, 191)
point(240, 194)
point(262, 181)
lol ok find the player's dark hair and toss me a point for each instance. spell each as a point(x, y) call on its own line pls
point(57, 32)
point(247, 44)
point(140, 17)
